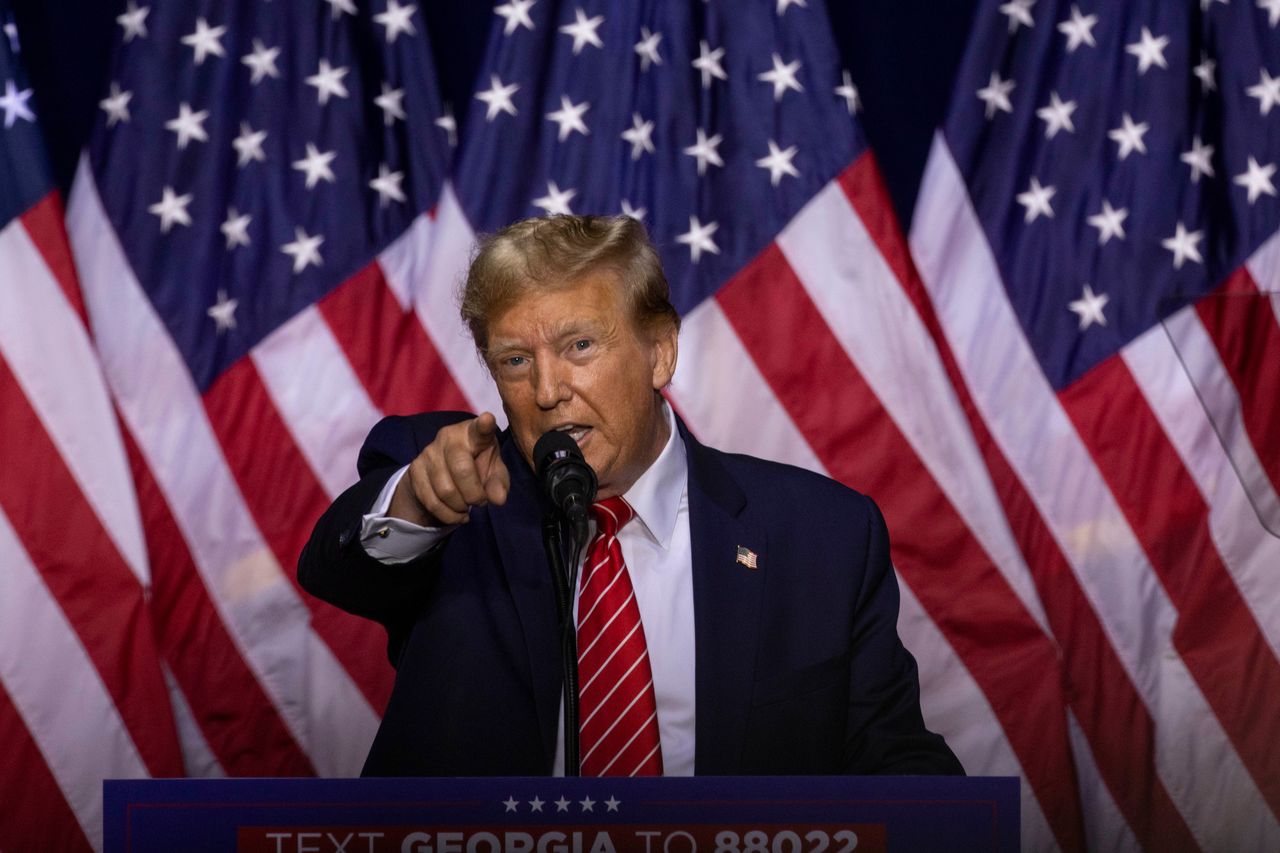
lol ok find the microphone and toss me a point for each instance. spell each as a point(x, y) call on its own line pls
point(566, 478)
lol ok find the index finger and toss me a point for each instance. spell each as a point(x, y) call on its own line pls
point(482, 432)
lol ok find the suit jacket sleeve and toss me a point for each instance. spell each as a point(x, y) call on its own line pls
point(885, 728)
point(334, 565)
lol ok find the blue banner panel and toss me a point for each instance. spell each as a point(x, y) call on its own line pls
point(554, 815)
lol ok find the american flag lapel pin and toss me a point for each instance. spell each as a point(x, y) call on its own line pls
point(747, 557)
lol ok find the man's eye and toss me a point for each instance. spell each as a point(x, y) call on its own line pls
point(514, 361)
point(581, 345)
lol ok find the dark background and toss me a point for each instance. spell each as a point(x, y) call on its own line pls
point(902, 55)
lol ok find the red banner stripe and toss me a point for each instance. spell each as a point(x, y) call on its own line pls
point(236, 717)
point(860, 446)
point(1112, 714)
point(387, 347)
point(48, 231)
point(36, 815)
point(1216, 634)
point(87, 576)
point(285, 499)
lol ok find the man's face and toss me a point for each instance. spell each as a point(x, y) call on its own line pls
point(573, 359)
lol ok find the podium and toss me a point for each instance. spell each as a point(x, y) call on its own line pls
point(706, 814)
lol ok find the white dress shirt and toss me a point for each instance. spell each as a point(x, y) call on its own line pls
point(656, 548)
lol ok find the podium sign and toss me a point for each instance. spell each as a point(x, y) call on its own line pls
point(553, 815)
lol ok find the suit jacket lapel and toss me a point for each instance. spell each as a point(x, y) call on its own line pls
point(518, 530)
point(726, 603)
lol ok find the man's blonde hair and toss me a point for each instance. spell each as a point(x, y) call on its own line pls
point(549, 252)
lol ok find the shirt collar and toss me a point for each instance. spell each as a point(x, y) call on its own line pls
point(656, 496)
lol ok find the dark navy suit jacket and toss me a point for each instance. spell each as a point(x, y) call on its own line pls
point(799, 669)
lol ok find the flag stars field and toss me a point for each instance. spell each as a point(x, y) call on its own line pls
point(206, 41)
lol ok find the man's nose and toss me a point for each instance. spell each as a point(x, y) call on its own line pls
point(550, 387)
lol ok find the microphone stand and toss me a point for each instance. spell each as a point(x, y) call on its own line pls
point(565, 576)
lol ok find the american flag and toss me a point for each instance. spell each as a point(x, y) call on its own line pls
point(271, 220)
point(1097, 235)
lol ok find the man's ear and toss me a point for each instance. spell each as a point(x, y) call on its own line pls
point(665, 350)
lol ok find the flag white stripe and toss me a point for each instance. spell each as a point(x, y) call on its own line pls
point(197, 756)
point(862, 302)
point(1250, 553)
point(403, 261)
point(56, 689)
point(954, 706)
point(315, 696)
point(713, 359)
point(1104, 826)
point(1193, 754)
point(49, 352)
point(319, 396)
point(435, 301)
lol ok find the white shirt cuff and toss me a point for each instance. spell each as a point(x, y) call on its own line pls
point(393, 540)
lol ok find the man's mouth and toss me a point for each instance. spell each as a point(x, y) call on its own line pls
point(576, 431)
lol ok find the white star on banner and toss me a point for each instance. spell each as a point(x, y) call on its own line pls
point(704, 151)
point(613, 802)
point(498, 97)
point(849, 92)
point(133, 21)
point(387, 185)
point(328, 81)
point(782, 76)
point(562, 805)
point(1019, 14)
point(783, 5)
point(397, 20)
point(223, 312)
point(171, 208)
point(14, 104)
point(698, 239)
point(337, 7)
point(640, 135)
point(569, 118)
point(188, 125)
point(316, 165)
point(248, 145)
point(11, 33)
point(1205, 4)
point(996, 95)
point(262, 62)
point(1036, 201)
point(205, 41)
point(391, 102)
point(1204, 71)
point(583, 30)
point(1266, 90)
point(778, 162)
point(636, 213)
point(535, 805)
point(588, 804)
point(1109, 222)
point(449, 125)
point(1256, 179)
point(708, 62)
point(305, 250)
point(1078, 30)
point(516, 15)
point(1057, 116)
point(1184, 245)
point(556, 200)
point(511, 803)
point(1129, 136)
point(1199, 159)
point(1149, 50)
point(116, 105)
point(236, 228)
point(1089, 307)
point(1273, 11)
point(647, 48)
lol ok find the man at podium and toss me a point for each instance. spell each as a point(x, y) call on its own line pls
point(732, 615)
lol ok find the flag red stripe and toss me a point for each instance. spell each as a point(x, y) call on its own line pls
point(235, 715)
point(48, 231)
point(36, 815)
point(1216, 634)
point(1246, 334)
point(388, 348)
point(285, 499)
point(1111, 713)
point(87, 576)
point(859, 445)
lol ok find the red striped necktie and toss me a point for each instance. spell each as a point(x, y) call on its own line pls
point(617, 707)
